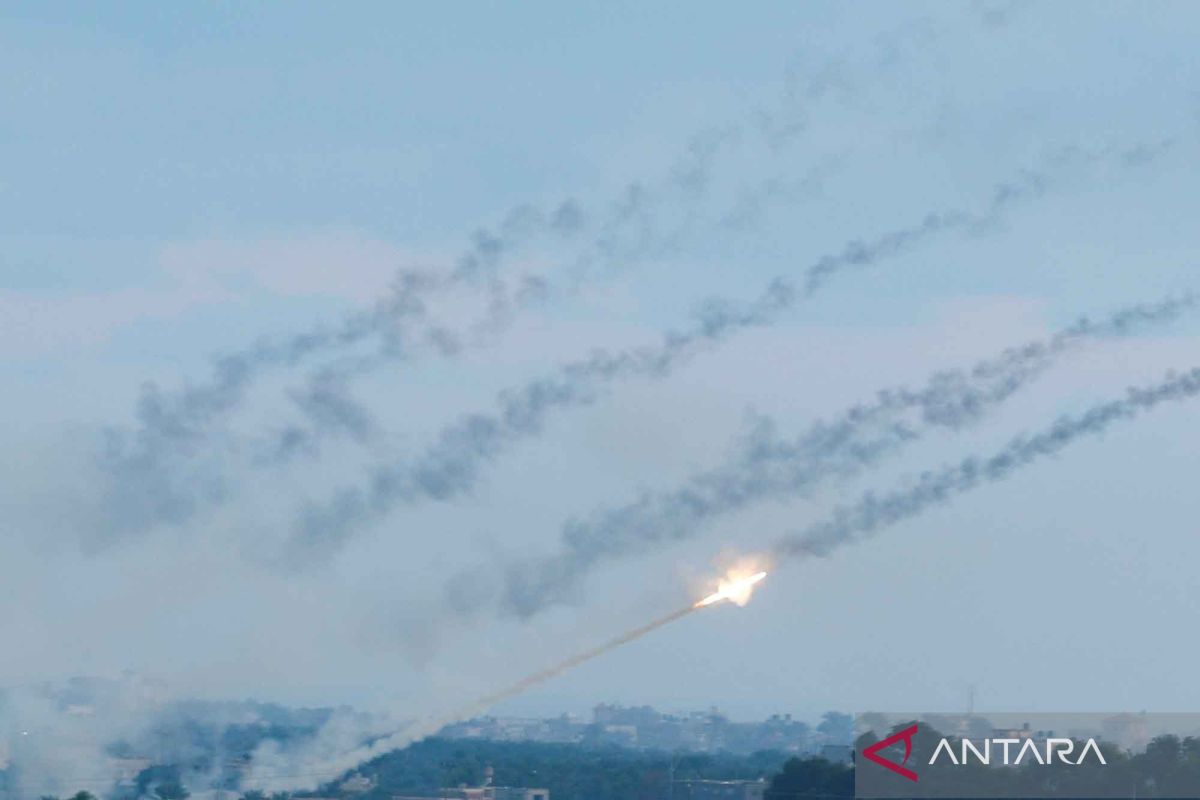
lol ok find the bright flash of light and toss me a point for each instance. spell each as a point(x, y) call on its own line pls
point(736, 589)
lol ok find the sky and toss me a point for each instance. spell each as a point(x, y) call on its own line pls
point(300, 309)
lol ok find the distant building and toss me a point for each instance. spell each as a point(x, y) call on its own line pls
point(1127, 730)
point(719, 790)
point(626, 735)
point(1022, 732)
point(607, 714)
point(126, 770)
point(357, 784)
point(519, 793)
point(488, 791)
point(646, 728)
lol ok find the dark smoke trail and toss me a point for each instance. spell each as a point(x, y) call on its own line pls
point(326, 423)
point(764, 466)
point(157, 469)
point(623, 232)
point(452, 465)
point(874, 513)
point(720, 318)
point(153, 467)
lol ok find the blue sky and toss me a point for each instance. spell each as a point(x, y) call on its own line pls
point(181, 182)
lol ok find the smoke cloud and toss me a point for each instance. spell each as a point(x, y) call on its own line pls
point(110, 737)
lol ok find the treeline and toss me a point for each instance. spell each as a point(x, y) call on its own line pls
point(1169, 767)
point(569, 771)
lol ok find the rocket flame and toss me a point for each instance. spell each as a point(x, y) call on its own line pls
point(735, 589)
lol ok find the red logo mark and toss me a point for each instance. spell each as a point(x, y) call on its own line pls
point(872, 752)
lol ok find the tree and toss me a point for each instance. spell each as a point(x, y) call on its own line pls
point(837, 728)
point(811, 777)
point(171, 791)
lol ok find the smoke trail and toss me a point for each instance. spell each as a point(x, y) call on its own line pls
point(874, 512)
point(326, 400)
point(764, 466)
point(452, 465)
point(544, 675)
point(722, 316)
point(623, 232)
point(324, 422)
point(152, 466)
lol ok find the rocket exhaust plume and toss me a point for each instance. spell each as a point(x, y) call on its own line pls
point(736, 591)
point(530, 681)
point(735, 587)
